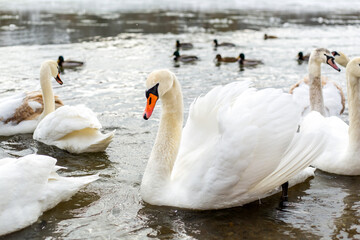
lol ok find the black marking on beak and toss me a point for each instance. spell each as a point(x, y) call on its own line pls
point(335, 53)
point(153, 90)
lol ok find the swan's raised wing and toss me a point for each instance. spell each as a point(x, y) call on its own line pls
point(66, 120)
point(236, 145)
point(32, 186)
point(334, 99)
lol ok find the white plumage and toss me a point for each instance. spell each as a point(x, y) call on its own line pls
point(30, 186)
point(238, 145)
point(334, 99)
point(73, 128)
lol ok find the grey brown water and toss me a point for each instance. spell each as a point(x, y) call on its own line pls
point(120, 48)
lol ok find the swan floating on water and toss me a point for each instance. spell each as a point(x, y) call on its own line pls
point(72, 128)
point(22, 112)
point(31, 186)
point(238, 145)
point(342, 154)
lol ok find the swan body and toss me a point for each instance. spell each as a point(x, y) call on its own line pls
point(75, 129)
point(341, 58)
point(332, 96)
point(31, 186)
point(238, 145)
point(22, 112)
point(342, 154)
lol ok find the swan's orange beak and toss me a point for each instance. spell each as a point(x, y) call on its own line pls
point(150, 105)
point(58, 79)
point(330, 61)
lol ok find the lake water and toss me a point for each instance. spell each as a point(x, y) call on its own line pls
point(121, 44)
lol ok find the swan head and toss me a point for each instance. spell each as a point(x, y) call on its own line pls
point(353, 68)
point(158, 83)
point(322, 55)
point(53, 68)
point(340, 58)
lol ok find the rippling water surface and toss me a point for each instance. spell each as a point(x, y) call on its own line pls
point(121, 45)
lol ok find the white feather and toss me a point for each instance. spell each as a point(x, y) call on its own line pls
point(30, 186)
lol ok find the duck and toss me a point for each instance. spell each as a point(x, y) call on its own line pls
point(302, 57)
point(226, 59)
point(269, 36)
point(237, 146)
point(75, 129)
point(183, 46)
point(184, 58)
point(223, 44)
point(342, 154)
point(341, 58)
point(68, 63)
point(248, 62)
point(33, 186)
point(334, 98)
point(21, 113)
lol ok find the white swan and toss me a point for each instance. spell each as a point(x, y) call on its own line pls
point(31, 186)
point(342, 155)
point(332, 94)
point(72, 128)
point(22, 112)
point(341, 58)
point(238, 145)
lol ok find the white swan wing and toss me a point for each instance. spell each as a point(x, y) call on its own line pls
point(332, 99)
point(331, 94)
point(32, 186)
point(73, 128)
point(332, 159)
point(241, 142)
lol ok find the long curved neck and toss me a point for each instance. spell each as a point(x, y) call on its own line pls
point(47, 93)
point(316, 96)
point(353, 91)
point(165, 149)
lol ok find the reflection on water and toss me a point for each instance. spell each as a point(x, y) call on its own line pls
point(119, 50)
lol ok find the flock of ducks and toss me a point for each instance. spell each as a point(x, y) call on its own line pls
point(239, 144)
point(218, 58)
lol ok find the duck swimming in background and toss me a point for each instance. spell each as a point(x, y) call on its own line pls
point(223, 44)
point(183, 46)
point(331, 93)
point(184, 58)
point(341, 58)
point(21, 113)
point(68, 63)
point(226, 59)
point(302, 57)
point(32, 187)
point(72, 128)
point(269, 36)
point(248, 62)
point(238, 145)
